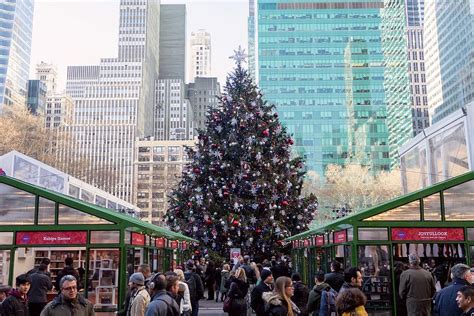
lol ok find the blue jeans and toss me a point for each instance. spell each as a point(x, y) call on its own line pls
point(195, 307)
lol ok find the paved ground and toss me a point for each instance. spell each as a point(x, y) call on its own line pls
point(210, 308)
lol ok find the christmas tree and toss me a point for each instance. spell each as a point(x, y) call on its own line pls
point(242, 187)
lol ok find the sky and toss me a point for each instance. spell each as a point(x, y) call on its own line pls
point(80, 32)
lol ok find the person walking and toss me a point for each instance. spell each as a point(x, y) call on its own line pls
point(417, 287)
point(401, 304)
point(335, 278)
point(300, 293)
point(224, 286)
point(209, 276)
point(351, 303)
point(256, 302)
point(67, 270)
point(68, 301)
point(16, 304)
point(314, 299)
point(162, 303)
point(185, 307)
point(237, 293)
point(278, 302)
point(196, 289)
point(139, 297)
point(352, 279)
point(445, 300)
point(38, 294)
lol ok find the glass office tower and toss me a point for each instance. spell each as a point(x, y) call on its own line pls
point(335, 73)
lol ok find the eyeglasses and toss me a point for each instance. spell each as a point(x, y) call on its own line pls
point(289, 286)
point(70, 288)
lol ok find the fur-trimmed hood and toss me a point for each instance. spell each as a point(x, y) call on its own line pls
point(272, 298)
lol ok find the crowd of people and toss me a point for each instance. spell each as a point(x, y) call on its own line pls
point(269, 288)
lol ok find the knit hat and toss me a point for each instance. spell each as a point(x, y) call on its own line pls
point(4, 288)
point(190, 264)
point(137, 278)
point(265, 274)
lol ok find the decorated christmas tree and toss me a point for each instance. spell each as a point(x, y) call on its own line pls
point(242, 187)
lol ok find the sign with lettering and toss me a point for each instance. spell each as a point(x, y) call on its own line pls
point(138, 239)
point(160, 243)
point(319, 240)
point(174, 244)
point(340, 236)
point(434, 234)
point(306, 243)
point(51, 238)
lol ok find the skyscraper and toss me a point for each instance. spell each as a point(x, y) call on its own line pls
point(449, 55)
point(415, 10)
point(47, 73)
point(172, 41)
point(16, 26)
point(200, 49)
point(202, 94)
point(114, 101)
point(327, 67)
point(251, 39)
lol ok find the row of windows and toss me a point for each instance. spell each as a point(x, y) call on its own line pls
point(317, 39)
point(312, 16)
point(318, 27)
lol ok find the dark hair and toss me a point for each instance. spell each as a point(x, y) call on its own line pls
point(296, 277)
point(160, 282)
point(43, 267)
point(45, 261)
point(467, 291)
point(171, 280)
point(320, 276)
point(336, 266)
point(22, 279)
point(350, 273)
point(349, 299)
point(69, 261)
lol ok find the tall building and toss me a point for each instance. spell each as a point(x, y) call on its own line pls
point(172, 41)
point(36, 98)
point(449, 55)
point(114, 101)
point(203, 95)
point(200, 52)
point(158, 168)
point(415, 10)
point(59, 110)
point(48, 73)
point(251, 39)
point(326, 66)
point(173, 113)
point(16, 26)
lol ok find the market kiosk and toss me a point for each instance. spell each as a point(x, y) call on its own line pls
point(437, 223)
point(106, 246)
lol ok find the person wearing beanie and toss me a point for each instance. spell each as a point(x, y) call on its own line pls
point(139, 297)
point(196, 288)
point(266, 285)
point(16, 304)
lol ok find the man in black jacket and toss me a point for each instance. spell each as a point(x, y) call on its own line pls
point(335, 279)
point(196, 288)
point(38, 294)
point(256, 301)
point(16, 303)
point(68, 270)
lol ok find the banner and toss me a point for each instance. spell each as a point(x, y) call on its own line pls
point(51, 238)
point(160, 243)
point(138, 239)
point(174, 244)
point(306, 243)
point(428, 234)
point(235, 254)
point(340, 236)
point(319, 240)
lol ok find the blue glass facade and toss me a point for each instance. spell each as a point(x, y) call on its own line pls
point(322, 64)
point(36, 99)
point(16, 25)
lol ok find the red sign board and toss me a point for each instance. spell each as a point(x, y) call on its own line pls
point(436, 234)
point(184, 245)
point(174, 244)
point(138, 239)
point(51, 238)
point(160, 243)
point(306, 243)
point(319, 240)
point(340, 236)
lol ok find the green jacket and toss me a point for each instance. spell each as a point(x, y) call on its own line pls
point(314, 299)
point(61, 307)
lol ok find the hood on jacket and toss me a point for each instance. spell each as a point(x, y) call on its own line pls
point(59, 300)
point(17, 294)
point(321, 287)
point(272, 298)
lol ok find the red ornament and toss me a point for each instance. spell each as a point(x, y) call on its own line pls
point(190, 204)
point(226, 193)
point(235, 222)
point(266, 133)
point(284, 203)
point(197, 170)
point(290, 141)
point(258, 230)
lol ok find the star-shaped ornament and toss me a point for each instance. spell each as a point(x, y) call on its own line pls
point(239, 56)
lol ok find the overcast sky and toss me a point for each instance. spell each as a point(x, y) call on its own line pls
point(80, 32)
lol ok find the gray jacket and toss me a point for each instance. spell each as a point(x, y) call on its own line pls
point(40, 285)
point(60, 307)
point(161, 304)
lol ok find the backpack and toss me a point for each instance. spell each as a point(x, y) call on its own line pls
point(170, 310)
point(328, 303)
point(191, 281)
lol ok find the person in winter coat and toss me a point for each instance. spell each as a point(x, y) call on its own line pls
point(351, 303)
point(16, 304)
point(314, 300)
point(417, 286)
point(300, 293)
point(445, 300)
point(335, 278)
point(185, 307)
point(401, 304)
point(67, 270)
point(162, 302)
point(352, 279)
point(217, 283)
point(68, 301)
point(237, 293)
point(139, 297)
point(257, 303)
point(38, 294)
point(278, 302)
point(225, 275)
point(210, 280)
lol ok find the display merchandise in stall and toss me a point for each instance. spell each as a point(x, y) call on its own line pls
point(436, 223)
point(105, 247)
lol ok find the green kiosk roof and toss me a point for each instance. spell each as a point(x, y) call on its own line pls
point(110, 217)
point(462, 186)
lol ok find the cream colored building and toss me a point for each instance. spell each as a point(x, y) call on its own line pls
point(59, 110)
point(200, 48)
point(158, 169)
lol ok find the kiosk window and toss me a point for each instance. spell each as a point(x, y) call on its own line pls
point(17, 207)
point(373, 234)
point(68, 215)
point(103, 278)
point(5, 265)
point(407, 212)
point(46, 210)
point(458, 202)
point(470, 233)
point(105, 237)
point(6, 238)
point(432, 207)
